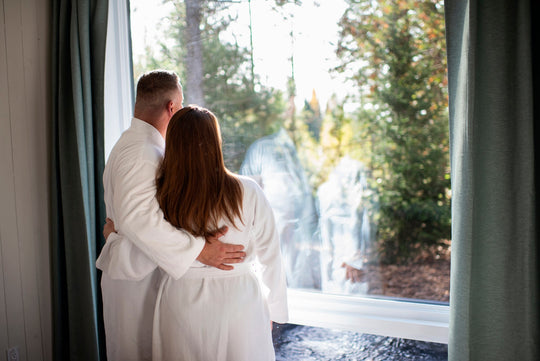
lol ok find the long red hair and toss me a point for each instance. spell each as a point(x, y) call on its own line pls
point(194, 188)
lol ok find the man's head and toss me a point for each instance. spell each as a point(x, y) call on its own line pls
point(159, 96)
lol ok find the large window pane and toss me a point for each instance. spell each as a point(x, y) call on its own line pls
point(339, 110)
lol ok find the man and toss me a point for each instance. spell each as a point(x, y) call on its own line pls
point(145, 243)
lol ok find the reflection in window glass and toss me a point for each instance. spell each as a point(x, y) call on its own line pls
point(339, 110)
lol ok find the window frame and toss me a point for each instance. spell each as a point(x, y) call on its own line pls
point(421, 320)
point(386, 316)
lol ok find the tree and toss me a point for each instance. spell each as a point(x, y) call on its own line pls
point(395, 51)
point(217, 75)
point(311, 115)
point(194, 54)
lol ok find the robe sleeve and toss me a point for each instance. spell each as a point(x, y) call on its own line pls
point(140, 223)
point(267, 248)
point(121, 260)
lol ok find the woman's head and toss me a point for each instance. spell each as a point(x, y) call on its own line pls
point(193, 140)
point(194, 188)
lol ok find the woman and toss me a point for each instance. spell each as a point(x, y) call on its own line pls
point(211, 314)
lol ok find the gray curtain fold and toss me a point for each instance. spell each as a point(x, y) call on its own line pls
point(494, 119)
point(78, 212)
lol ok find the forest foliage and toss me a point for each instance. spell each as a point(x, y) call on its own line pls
point(394, 53)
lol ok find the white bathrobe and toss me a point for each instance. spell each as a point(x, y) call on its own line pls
point(145, 241)
point(210, 314)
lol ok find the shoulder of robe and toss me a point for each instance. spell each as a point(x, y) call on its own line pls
point(152, 153)
point(133, 151)
point(252, 190)
point(249, 184)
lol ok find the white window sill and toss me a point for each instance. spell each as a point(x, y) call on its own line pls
point(410, 319)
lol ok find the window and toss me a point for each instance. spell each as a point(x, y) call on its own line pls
point(339, 110)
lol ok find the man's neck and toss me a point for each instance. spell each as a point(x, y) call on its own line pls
point(158, 123)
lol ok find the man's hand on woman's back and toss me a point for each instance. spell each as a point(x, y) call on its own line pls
point(218, 254)
point(215, 253)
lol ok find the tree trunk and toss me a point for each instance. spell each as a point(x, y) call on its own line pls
point(193, 91)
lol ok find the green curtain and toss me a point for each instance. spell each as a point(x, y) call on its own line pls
point(494, 120)
point(78, 212)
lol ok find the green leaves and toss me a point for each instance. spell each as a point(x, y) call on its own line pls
point(245, 112)
point(394, 53)
point(398, 47)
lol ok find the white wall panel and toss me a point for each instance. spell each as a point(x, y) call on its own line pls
point(25, 304)
point(5, 175)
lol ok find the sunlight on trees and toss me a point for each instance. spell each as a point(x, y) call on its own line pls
point(398, 51)
point(394, 53)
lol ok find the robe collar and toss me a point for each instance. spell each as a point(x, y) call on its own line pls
point(140, 126)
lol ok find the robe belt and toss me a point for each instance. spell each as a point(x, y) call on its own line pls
point(211, 272)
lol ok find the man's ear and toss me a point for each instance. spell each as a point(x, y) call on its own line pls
point(170, 108)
